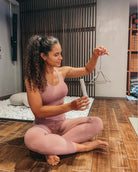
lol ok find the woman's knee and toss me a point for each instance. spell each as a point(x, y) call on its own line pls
point(28, 139)
point(97, 122)
point(32, 139)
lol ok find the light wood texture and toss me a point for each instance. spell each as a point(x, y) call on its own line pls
point(121, 155)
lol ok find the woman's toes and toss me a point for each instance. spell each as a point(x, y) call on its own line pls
point(52, 159)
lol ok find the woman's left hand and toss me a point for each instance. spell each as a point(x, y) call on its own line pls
point(80, 103)
point(99, 51)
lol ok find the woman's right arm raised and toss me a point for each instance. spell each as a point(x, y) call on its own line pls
point(42, 111)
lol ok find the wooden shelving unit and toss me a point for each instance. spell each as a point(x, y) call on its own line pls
point(132, 66)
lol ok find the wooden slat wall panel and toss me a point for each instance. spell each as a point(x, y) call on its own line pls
point(73, 22)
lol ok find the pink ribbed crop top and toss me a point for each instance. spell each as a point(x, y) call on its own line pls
point(53, 95)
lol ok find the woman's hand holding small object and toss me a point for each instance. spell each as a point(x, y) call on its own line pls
point(80, 103)
point(99, 51)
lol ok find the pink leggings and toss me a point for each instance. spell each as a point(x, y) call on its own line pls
point(59, 137)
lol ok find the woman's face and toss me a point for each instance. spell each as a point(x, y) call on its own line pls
point(54, 56)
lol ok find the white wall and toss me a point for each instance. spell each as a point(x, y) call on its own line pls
point(112, 33)
point(10, 73)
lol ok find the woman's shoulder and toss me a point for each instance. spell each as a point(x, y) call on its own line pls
point(30, 86)
point(63, 70)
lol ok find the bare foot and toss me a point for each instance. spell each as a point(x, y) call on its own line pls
point(52, 159)
point(88, 146)
point(98, 144)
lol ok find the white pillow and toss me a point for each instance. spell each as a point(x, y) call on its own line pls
point(19, 99)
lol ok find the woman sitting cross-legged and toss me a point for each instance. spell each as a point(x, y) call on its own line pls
point(51, 134)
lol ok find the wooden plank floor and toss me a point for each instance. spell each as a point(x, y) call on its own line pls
point(121, 156)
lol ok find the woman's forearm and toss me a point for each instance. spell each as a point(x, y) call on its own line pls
point(47, 111)
point(90, 66)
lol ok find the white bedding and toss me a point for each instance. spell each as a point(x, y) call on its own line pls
point(8, 111)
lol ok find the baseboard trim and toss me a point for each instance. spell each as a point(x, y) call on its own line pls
point(5, 97)
point(111, 98)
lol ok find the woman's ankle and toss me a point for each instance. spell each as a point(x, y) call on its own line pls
point(88, 146)
point(81, 147)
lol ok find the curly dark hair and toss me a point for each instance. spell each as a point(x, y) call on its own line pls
point(34, 65)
